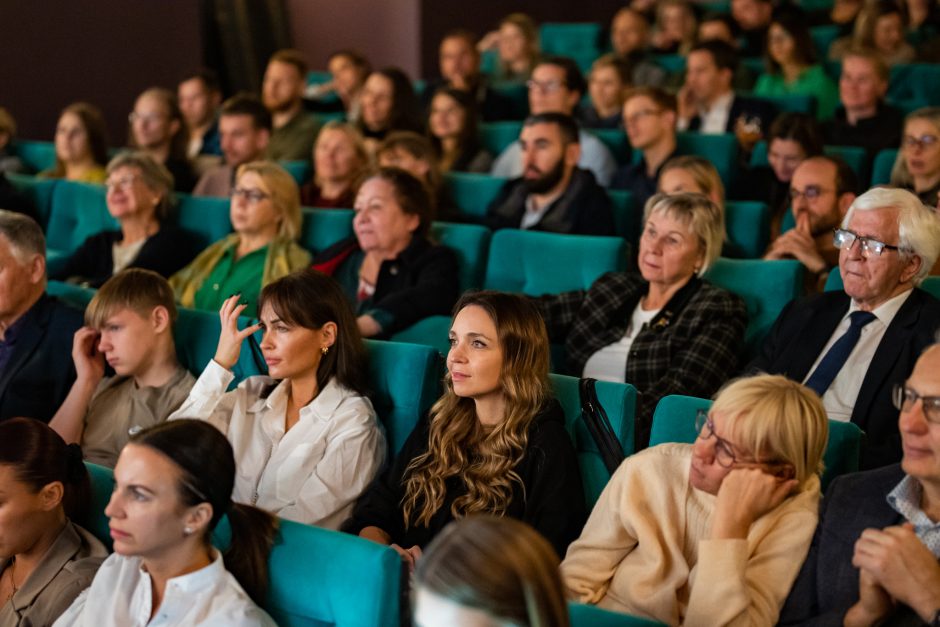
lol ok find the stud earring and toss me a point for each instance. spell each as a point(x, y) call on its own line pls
point(325, 350)
point(187, 531)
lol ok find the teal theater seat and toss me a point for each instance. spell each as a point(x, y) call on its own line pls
point(404, 381)
point(881, 169)
point(196, 335)
point(856, 158)
point(619, 401)
point(37, 155)
point(496, 136)
point(516, 97)
point(102, 485)
point(721, 150)
point(791, 103)
point(318, 77)
point(765, 286)
point(747, 223)
point(38, 192)
point(75, 295)
point(590, 616)
point(473, 192)
point(672, 63)
point(300, 170)
point(931, 284)
point(471, 242)
point(321, 228)
point(616, 141)
point(915, 80)
point(205, 216)
point(78, 211)
point(570, 39)
point(674, 421)
point(823, 36)
point(627, 216)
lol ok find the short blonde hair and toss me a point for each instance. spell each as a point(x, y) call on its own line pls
point(900, 174)
point(136, 289)
point(778, 420)
point(285, 195)
point(354, 137)
point(704, 218)
point(702, 172)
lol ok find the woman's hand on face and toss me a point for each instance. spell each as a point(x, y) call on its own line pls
point(89, 361)
point(230, 339)
point(746, 494)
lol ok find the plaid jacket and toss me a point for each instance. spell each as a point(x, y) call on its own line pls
point(693, 353)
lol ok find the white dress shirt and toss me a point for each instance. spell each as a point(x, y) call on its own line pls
point(312, 473)
point(121, 596)
point(839, 399)
point(714, 120)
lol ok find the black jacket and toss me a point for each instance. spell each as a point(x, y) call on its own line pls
point(583, 208)
point(551, 498)
point(742, 105)
point(881, 131)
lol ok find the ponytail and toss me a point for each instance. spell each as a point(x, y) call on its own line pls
point(253, 533)
point(77, 493)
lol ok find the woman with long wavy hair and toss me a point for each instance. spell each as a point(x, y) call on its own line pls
point(495, 442)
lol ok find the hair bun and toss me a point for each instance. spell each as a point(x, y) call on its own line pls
point(74, 461)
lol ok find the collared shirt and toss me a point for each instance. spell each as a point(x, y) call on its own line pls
point(534, 214)
point(232, 275)
point(119, 409)
point(121, 596)
point(839, 399)
point(312, 473)
point(714, 120)
point(905, 499)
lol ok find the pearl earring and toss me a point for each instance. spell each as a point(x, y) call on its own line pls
point(187, 531)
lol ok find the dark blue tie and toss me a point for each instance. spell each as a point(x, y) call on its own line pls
point(833, 361)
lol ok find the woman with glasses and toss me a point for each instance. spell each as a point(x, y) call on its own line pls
point(265, 215)
point(917, 166)
point(712, 533)
point(157, 128)
point(139, 196)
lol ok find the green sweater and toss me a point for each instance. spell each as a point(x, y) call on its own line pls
point(813, 81)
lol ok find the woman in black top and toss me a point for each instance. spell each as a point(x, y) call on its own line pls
point(495, 443)
point(452, 129)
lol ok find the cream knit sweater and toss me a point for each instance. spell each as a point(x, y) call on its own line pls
point(644, 550)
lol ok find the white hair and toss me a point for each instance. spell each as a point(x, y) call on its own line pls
point(918, 224)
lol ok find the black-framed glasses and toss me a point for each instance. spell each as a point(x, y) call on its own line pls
point(812, 192)
point(845, 239)
point(253, 196)
point(924, 141)
point(724, 452)
point(904, 399)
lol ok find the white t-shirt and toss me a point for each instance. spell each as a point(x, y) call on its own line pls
point(610, 362)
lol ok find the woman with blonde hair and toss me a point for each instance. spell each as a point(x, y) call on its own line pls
point(494, 443)
point(711, 533)
point(339, 159)
point(693, 174)
point(265, 213)
point(675, 29)
point(917, 166)
point(485, 570)
point(517, 43)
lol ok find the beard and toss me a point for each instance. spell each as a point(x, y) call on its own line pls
point(547, 181)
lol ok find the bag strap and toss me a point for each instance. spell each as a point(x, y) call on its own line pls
point(598, 425)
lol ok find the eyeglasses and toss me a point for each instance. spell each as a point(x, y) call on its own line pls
point(124, 182)
point(149, 117)
point(924, 141)
point(844, 239)
point(253, 196)
point(633, 118)
point(811, 193)
point(904, 399)
point(546, 87)
point(724, 452)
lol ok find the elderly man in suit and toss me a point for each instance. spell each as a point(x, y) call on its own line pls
point(36, 369)
point(852, 347)
point(874, 556)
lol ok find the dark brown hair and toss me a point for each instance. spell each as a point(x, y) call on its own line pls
point(411, 193)
point(793, 21)
point(93, 121)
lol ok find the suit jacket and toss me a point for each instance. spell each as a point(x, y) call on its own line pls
point(827, 585)
point(742, 105)
point(40, 371)
point(802, 331)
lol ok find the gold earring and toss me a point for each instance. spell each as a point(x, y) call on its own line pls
point(325, 350)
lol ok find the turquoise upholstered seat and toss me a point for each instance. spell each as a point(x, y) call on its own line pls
point(616, 141)
point(721, 150)
point(36, 154)
point(591, 616)
point(627, 216)
point(471, 242)
point(207, 217)
point(300, 170)
point(496, 136)
point(321, 228)
point(78, 211)
point(881, 169)
point(747, 223)
point(472, 192)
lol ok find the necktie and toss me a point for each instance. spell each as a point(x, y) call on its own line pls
point(833, 361)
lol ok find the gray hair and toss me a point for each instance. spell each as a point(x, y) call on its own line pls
point(918, 225)
point(704, 218)
point(154, 174)
point(25, 236)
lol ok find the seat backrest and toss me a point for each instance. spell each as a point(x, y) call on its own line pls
point(472, 192)
point(471, 242)
point(74, 295)
point(321, 228)
point(881, 169)
point(747, 223)
point(102, 485)
point(915, 80)
point(78, 211)
point(37, 191)
point(519, 261)
point(765, 286)
point(930, 284)
point(37, 155)
point(514, 95)
point(721, 150)
point(197, 335)
point(792, 103)
point(855, 156)
point(583, 615)
point(619, 401)
point(404, 381)
point(569, 38)
point(431, 331)
point(823, 36)
point(616, 141)
point(206, 217)
point(627, 216)
point(496, 136)
point(300, 170)
point(674, 421)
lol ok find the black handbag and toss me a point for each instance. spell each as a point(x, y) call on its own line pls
point(598, 425)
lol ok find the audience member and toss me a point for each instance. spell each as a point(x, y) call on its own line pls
point(157, 129)
point(517, 45)
point(752, 18)
point(47, 558)
point(716, 26)
point(711, 533)
point(307, 441)
point(917, 166)
point(864, 118)
point(485, 446)
point(557, 86)
point(81, 145)
point(9, 162)
point(139, 198)
point(128, 325)
point(649, 117)
point(452, 128)
point(821, 191)
point(923, 22)
point(414, 153)
point(200, 94)
point(873, 560)
point(553, 194)
point(675, 28)
point(484, 570)
point(840, 13)
point(852, 346)
point(389, 104)
point(607, 87)
point(391, 273)
point(664, 329)
point(348, 69)
point(339, 159)
point(693, 175)
point(294, 130)
point(244, 128)
point(173, 484)
point(35, 329)
point(265, 215)
point(629, 39)
point(879, 27)
point(792, 67)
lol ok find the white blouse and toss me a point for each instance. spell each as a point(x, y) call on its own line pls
point(121, 596)
point(312, 473)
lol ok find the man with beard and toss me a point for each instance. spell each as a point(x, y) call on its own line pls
point(282, 92)
point(553, 194)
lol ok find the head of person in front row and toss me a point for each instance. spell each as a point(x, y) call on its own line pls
point(917, 167)
point(265, 214)
point(128, 326)
point(81, 145)
point(391, 272)
point(484, 446)
point(172, 485)
point(484, 571)
point(713, 531)
point(46, 493)
point(330, 445)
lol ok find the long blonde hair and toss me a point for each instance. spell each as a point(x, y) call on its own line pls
point(900, 174)
point(458, 444)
